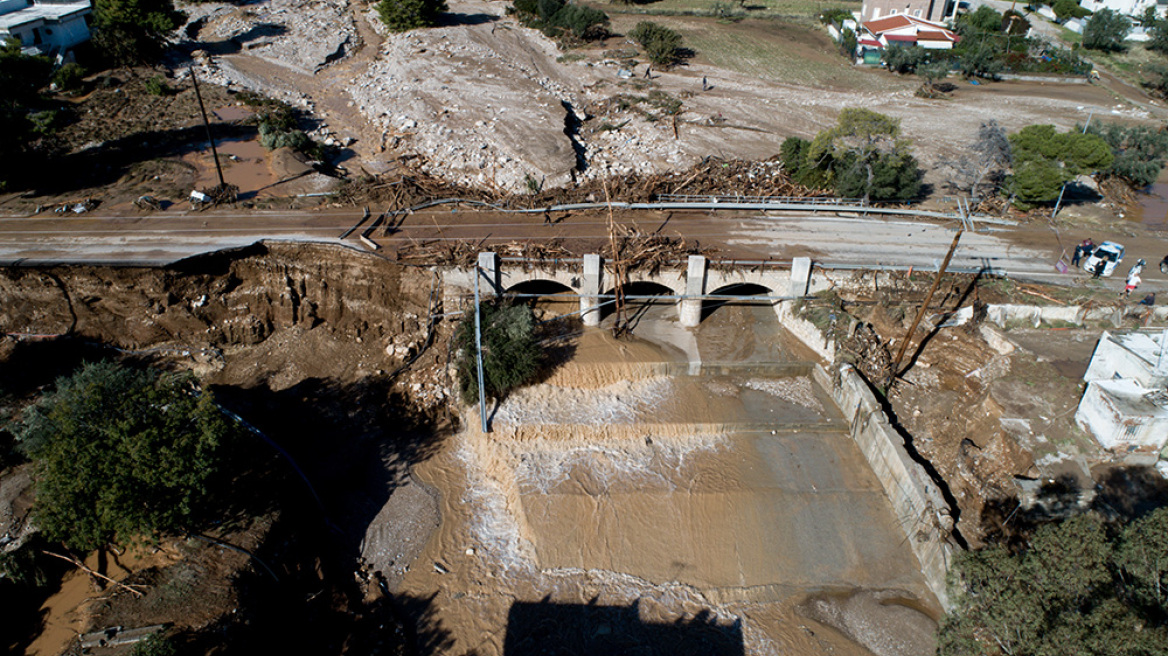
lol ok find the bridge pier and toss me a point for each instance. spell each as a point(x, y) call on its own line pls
point(800, 276)
point(590, 290)
point(489, 270)
point(689, 310)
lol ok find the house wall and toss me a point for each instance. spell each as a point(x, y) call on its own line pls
point(933, 10)
point(7, 6)
point(1111, 360)
point(1133, 8)
point(1115, 430)
point(70, 32)
point(25, 32)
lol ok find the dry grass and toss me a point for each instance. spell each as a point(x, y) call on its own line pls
point(780, 50)
point(749, 8)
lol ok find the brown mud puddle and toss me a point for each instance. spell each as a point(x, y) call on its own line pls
point(67, 613)
point(245, 164)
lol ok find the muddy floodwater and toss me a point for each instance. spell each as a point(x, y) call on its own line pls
point(627, 505)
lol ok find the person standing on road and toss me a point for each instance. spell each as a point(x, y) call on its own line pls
point(1099, 268)
point(1077, 256)
point(1137, 268)
point(1133, 281)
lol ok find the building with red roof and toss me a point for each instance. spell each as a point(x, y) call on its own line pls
point(907, 30)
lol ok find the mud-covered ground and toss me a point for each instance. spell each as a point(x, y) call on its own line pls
point(740, 521)
point(481, 100)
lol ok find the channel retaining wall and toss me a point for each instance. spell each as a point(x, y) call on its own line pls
point(920, 508)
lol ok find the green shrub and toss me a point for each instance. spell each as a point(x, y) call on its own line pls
point(44, 122)
point(835, 16)
point(1105, 31)
point(156, 86)
point(557, 17)
point(405, 15)
point(1066, 9)
point(511, 354)
point(904, 59)
point(69, 77)
point(120, 454)
point(661, 45)
point(155, 645)
point(295, 139)
point(848, 43)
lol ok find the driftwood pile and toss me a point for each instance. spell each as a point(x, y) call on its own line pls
point(868, 354)
point(465, 253)
point(633, 250)
point(711, 176)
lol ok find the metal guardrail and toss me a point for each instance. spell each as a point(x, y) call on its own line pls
point(761, 200)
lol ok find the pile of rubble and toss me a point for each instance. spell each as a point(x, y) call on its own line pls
point(305, 35)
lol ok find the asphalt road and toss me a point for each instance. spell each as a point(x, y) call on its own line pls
point(156, 239)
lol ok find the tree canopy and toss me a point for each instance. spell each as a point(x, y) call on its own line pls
point(405, 15)
point(1105, 31)
point(511, 353)
point(983, 19)
point(132, 32)
point(862, 156)
point(1140, 151)
point(662, 45)
point(21, 78)
point(120, 454)
point(1044, 160)
point(904, 59)
point(559, 17)
point(1079, 587)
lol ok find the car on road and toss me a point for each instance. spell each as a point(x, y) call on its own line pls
point(1109, 253)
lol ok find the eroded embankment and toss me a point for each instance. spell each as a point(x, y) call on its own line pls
point(230, 299)
point(299, 340)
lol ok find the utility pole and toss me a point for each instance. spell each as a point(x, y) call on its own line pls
point(924, 306)
point(207, 127)
point(479, 352)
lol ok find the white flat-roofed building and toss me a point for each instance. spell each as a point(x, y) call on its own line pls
point(1125, 405)
point(45, 27)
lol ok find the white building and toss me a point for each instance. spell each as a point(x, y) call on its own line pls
point(1125, 405)
point(46, 27)
point(1132, 8)
point(906, 30)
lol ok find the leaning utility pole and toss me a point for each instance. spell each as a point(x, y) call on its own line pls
point(479, 352)
point(207, 127)
point(921, 313)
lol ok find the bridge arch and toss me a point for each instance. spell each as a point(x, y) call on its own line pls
point(638, 288)
point(744, 290)
point(553, 298)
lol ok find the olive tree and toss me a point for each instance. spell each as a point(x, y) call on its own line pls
point(405, 15)
point(121, 454)
point(1105, 31)
point(511, 353)
point(132, 32)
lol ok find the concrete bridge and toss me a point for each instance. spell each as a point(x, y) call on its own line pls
point(696, 290)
